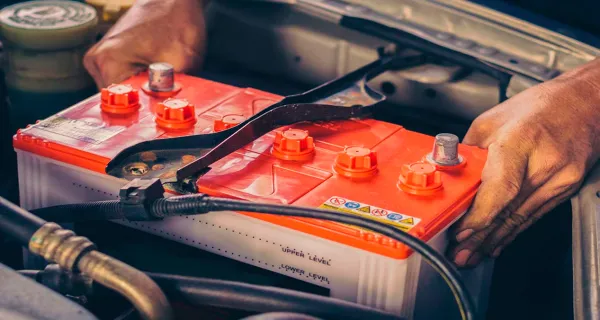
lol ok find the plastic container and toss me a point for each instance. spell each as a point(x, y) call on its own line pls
point(44, 44)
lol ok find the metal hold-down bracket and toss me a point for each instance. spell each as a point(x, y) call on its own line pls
point(343, 98)
point(346, 97)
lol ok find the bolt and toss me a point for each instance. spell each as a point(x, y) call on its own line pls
point(188, 158)
point(158, 167)
point(160, 77)
point(445, 150)
point(136, 169)
point(148, 156)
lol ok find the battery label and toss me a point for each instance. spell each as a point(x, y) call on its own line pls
point(401, 221)
point(78, 129)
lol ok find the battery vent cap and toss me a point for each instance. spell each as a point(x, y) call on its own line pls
point(119, 99)
point(176, 114)
point(228, 121)
point(293, 144)
point(420, 178)
point(356, 162)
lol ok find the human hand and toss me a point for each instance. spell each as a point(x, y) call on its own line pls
point(171, 31)
point(541, 143)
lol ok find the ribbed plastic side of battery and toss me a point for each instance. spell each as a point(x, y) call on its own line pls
point(406, 287)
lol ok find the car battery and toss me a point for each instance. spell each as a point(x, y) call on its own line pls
point(363, 167)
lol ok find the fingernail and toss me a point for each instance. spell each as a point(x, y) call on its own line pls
point(497, 252)
point(463, 235)
point(462, 257)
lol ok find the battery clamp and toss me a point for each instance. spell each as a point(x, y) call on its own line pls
point(137, 196)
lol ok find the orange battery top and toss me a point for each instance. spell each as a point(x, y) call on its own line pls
point(363, 167)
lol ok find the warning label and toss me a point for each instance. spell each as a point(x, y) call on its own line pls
point(78, 129)
point(401, 221)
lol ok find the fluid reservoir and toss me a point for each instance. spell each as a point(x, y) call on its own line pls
point(44, 44)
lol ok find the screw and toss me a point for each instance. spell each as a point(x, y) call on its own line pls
point(445, 150)
point(161, 77)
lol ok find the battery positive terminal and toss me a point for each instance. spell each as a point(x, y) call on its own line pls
point(161, 81)
point(445, 154)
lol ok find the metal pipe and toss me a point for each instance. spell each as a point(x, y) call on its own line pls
point(75, 254)
point(135, 285)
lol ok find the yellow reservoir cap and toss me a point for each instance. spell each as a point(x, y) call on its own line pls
point(109, 11)
point(48, 25)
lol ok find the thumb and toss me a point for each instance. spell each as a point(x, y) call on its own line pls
point(112, 71)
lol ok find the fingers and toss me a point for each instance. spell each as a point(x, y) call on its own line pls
point(514, 222)
point(107, 65)
point(510, 223)
point(89, 62)
point(466, 253)
point(512, 216)
point(547, 207)
point(501, 182)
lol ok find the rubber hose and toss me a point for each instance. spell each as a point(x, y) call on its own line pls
point(79, 212)
point(248, 297)
point(280, 316)
point(17, 223)
point(180, 205)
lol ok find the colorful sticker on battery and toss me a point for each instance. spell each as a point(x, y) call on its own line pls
point(401, 221)
point(82, 130)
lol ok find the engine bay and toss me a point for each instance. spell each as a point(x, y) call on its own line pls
point(310, 171)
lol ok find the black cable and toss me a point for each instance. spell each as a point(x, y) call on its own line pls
point(200, 203)
point(255, 298)
point(80, 212)
point(219, 293)
point(17, 223)
point(435, 259)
